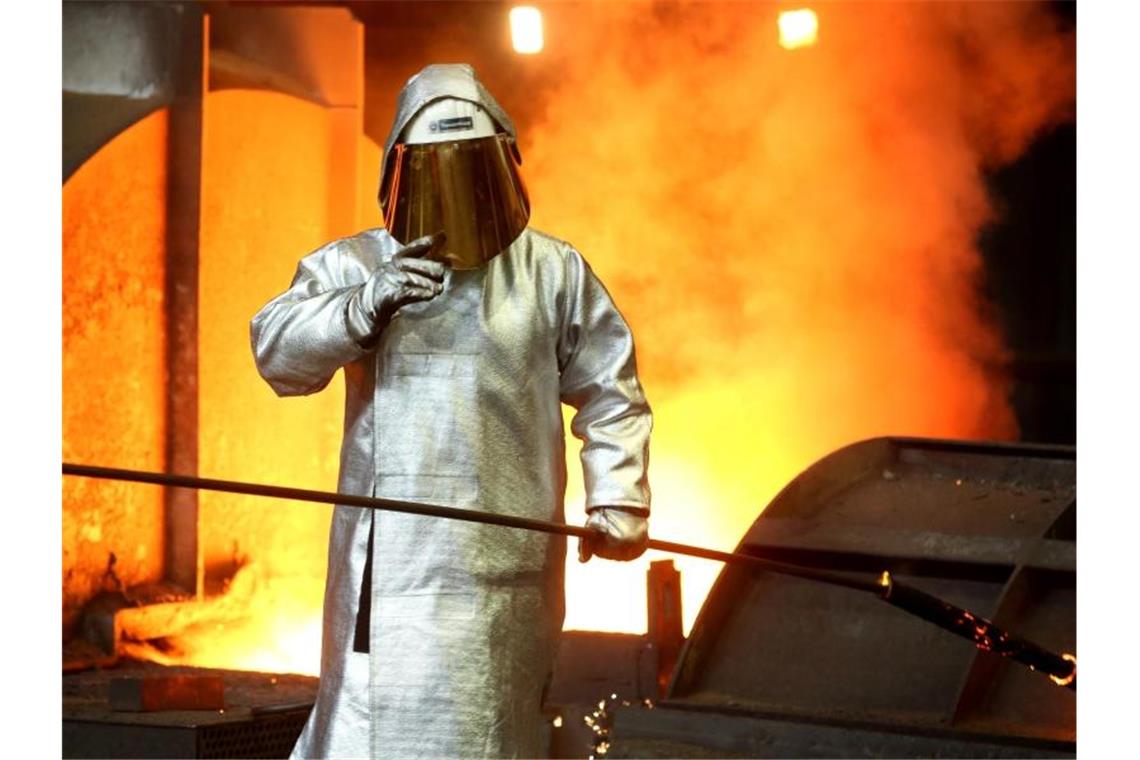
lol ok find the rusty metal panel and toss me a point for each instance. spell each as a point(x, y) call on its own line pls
point(664, 620)
point(156, 693)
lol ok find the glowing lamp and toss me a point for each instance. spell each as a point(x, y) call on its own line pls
point(798, 28)
point(526, 29)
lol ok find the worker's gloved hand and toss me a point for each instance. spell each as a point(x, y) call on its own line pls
point(621, 534)
point(405, 278)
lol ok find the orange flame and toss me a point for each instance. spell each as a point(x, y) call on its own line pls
point(264, 622)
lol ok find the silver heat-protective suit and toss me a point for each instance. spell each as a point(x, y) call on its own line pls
point(455, 401)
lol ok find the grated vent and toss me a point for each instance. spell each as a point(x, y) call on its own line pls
point(265, 736)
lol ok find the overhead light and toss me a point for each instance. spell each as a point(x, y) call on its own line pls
point(798, 28)
point(526, 29)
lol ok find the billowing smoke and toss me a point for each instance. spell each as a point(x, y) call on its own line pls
point(791, 233)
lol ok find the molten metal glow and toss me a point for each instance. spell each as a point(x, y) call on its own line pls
point(798, 28)
point(264, 621)
point(1069, 678)
point(526, 29)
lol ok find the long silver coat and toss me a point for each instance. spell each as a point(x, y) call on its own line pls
point(457, 404)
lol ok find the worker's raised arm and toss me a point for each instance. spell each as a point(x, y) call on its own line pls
point(326, 320)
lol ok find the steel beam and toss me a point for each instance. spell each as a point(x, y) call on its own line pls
point(776, 533)
point(182, 552)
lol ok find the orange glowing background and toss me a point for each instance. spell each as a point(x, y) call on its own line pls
point(791, 234)
point(113, 373)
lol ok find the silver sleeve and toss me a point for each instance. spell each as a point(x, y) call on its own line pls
point(301, 337)
point(599, 379)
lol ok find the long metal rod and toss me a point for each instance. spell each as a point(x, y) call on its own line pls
point(454, 513)
point(983, 633)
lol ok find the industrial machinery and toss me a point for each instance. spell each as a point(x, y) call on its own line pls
point(779, 666)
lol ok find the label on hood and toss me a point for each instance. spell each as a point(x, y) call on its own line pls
point(454, 124)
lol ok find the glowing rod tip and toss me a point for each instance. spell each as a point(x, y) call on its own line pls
point(1069, 678)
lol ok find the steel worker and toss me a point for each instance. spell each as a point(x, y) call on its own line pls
point(460, 331)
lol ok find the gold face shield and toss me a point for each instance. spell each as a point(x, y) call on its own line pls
point(469, 189)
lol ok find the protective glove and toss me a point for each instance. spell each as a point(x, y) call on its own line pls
point(405, 278)
point(622, 534)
